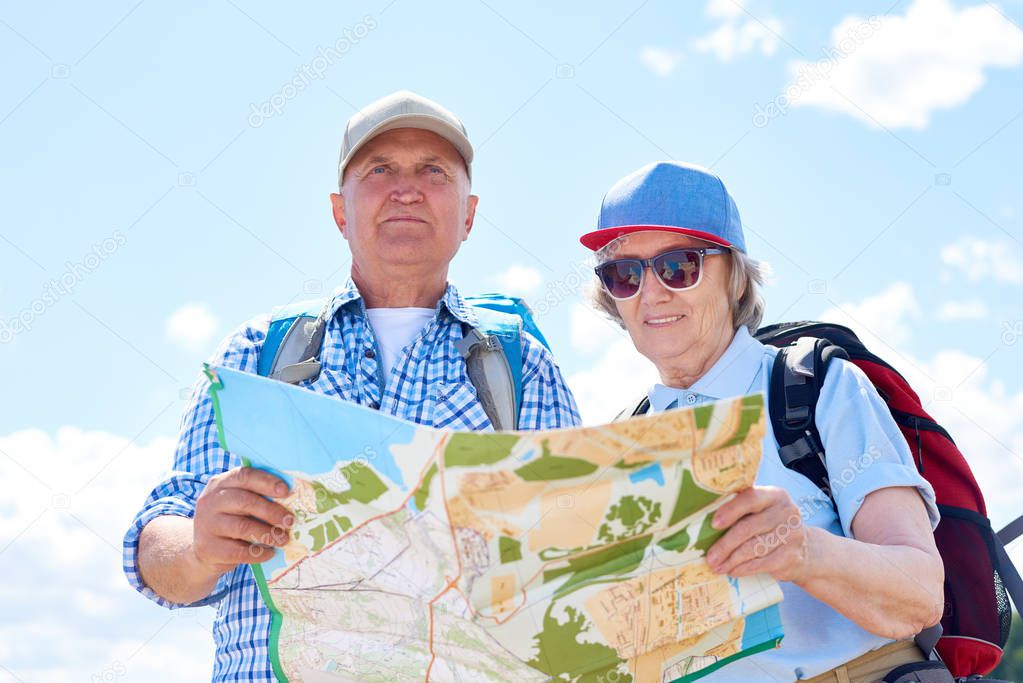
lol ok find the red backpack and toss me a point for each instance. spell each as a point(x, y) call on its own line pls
point(978, 572)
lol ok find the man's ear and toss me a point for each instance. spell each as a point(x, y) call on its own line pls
point(470, 214)
point(337, 207)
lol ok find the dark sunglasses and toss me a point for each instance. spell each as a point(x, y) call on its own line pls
point(677, 269)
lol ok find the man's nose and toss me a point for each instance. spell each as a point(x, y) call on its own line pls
point(407, 189)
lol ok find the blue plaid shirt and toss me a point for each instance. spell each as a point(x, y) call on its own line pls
point(428, 385)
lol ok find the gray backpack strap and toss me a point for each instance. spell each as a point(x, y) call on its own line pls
point(919, 672)
point(1006, 569)
point(927, 639)
point(1011, 531)
point(490, 374)
point(298, 356)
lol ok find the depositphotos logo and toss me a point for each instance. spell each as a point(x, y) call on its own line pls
point(315, 70)
point(54, 290)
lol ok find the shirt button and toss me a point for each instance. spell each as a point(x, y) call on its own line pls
point(690, 399)
point(371, 354)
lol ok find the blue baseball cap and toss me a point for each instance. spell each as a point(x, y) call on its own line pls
point(669, 196)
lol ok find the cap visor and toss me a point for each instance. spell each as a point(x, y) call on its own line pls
point(423, 122)
point(598, 239)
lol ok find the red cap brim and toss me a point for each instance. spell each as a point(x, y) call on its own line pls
point(598, 239)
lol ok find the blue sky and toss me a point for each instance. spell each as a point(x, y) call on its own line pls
point(165, 171)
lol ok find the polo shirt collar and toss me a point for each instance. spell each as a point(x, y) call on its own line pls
point(731, 375)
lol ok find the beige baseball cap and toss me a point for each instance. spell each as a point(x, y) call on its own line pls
point(402, 109)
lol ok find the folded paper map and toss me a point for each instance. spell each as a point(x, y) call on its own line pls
point(568, 555)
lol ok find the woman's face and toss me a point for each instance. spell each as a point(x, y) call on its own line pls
point(668, 326)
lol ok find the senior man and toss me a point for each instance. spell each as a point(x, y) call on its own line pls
point(404, 206)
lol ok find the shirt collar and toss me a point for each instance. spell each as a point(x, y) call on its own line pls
point(450, 304)
point(731, 375)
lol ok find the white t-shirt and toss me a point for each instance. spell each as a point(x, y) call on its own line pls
point(394, 329)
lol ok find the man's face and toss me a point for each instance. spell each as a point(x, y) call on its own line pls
point(405, 202)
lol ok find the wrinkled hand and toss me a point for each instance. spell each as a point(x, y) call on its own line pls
point(765, 535)
point(235, 523)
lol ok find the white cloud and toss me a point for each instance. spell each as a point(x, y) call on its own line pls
point(591, 331)
point(69, 613)
point(740, 34)
point(619, 377)
point(726, 9)
point(899, 70)
point(192, 326)
point(972, 309)
point(661, 61)
point(616, 373)
point(880, 320)
point(981, 259)
point(518, 280)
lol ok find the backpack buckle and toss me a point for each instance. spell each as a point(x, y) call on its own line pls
point(492, 342)
point(473, 339)
point(805, 446)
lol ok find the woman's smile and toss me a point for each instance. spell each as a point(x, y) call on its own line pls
point(663, 320)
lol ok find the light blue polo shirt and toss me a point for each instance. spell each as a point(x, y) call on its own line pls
point(865, 452)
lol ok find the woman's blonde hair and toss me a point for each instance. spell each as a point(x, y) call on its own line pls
point(747, 278)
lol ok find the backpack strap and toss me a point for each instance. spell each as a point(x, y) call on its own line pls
point(492, 351)
point(493, 354)
point(493, 360)
point(1006, 569)
point(640, 406)
point(796, 381)
point(294, 339)
point(1011, 531)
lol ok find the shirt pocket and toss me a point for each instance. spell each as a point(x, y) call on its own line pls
point(455, 406)
point(332, 383)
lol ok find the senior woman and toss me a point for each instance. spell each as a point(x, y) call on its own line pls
point(861, 577)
